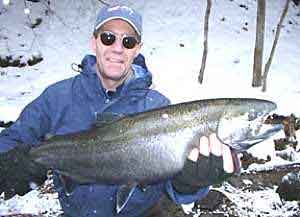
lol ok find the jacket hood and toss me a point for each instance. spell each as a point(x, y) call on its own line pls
point(141, 79)
point(140, 75)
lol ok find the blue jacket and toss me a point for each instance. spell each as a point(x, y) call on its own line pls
point(73, 105)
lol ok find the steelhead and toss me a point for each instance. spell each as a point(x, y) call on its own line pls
point(153, 145)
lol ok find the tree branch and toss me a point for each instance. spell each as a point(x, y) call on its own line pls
point(105, 3)
point(204, 56)
point(268, 64)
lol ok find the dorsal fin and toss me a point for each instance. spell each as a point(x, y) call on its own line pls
point(107, 118)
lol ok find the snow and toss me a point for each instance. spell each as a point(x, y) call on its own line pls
point(259, 203)
point(34, 202)
point(173, 44)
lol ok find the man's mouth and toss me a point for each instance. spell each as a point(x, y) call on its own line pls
point(115, 60)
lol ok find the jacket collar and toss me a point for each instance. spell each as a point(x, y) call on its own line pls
point(141, 79)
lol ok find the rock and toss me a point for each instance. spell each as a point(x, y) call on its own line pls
point(289, 154)
point(16, 61)
point(4, 61)
point(6, 124)
point(289, 188)
point(213, 201)
point(34, 60)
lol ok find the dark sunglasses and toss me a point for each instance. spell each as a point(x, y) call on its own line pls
point(108, 38)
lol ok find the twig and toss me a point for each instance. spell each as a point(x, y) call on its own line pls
point(204, 56)
point(268, 64)
point(105, 3)
point(33, 32)
point(55, 14)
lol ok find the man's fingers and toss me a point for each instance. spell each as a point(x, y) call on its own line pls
point(215, 145)
point(193, 155)
point(203, 149)
point(204, 146)
point(227, 159)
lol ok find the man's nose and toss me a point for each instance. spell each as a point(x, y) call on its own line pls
point(118, 46)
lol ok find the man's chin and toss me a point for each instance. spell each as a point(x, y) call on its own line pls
point(116, 69)
point(115, 75)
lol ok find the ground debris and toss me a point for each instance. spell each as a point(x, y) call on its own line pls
point(248, 159)
point(290, 124)
point(252, 193)
point(263, 178)
point(5, 124)
point(289, 188)
point(21, 215)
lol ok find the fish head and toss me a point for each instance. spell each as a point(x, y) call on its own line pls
point(243, 123)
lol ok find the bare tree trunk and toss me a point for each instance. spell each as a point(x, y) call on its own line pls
point(259, 43)
point(268, 64)
point(204, 56)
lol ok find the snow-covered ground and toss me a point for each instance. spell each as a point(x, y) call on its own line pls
point(173, 45)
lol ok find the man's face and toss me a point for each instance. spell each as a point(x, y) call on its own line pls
point(114, 61)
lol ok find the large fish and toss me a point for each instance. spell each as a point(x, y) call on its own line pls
point(153, 145)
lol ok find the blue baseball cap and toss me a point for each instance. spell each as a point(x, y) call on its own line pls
point(125, 13)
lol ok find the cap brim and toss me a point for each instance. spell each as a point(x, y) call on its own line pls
point(118, 17)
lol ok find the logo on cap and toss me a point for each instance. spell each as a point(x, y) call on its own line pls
point(118, 7)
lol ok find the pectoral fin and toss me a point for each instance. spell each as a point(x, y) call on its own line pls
point(123, 195)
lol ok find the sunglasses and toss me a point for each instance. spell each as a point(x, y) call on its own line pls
point(108, 38)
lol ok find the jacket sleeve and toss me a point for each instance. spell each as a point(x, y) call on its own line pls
point(31, 126)
point(179, 198)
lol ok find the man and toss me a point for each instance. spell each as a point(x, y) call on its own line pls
point(110, 82)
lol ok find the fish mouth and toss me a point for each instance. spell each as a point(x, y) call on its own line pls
point(246, 130)
point(244, 144)
point(269, 131)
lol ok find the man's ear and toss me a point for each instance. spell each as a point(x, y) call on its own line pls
point(93, 42)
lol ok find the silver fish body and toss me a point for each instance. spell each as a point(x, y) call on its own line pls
point(153, 145)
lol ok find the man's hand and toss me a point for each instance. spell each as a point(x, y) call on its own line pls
point(212, 146)
point(210, 163)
